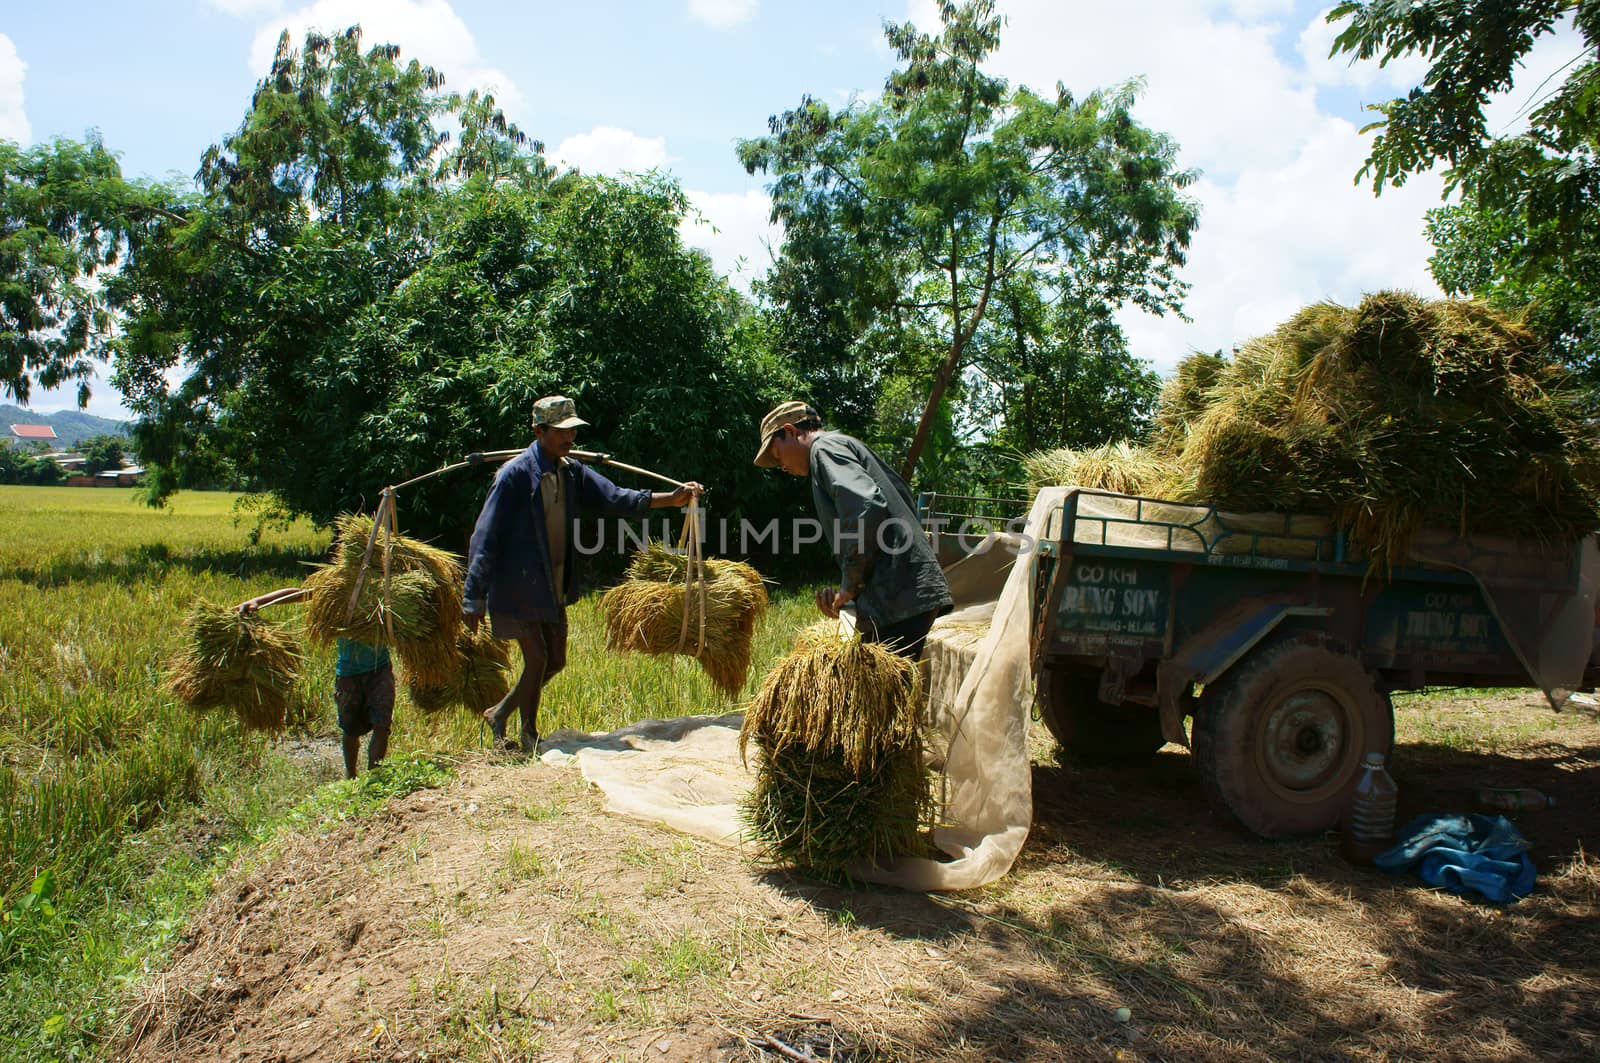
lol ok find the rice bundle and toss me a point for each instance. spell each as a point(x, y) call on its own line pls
point(645, 613)
point(482, 675)
point(241, 661)
point(1183, 400)
point(840, 776)
point(1128, 470)
point(422, 608)
point(1387, 417)
point(380, 619)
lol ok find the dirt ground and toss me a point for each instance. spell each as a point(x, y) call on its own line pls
point(507, 917)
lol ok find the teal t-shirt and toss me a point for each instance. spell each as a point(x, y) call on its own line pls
point(357, 658)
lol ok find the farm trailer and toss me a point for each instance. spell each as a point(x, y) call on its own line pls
point(1280, 643)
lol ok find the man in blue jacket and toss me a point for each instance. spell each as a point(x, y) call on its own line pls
point(521, 562)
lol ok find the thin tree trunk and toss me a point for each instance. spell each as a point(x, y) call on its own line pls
point(959, 338)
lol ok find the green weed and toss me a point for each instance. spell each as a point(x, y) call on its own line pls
point(523, 863)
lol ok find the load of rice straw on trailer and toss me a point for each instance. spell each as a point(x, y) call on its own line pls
point(1393, 415)
point(409, 598)
point(482, 675)
point(1119, 467)
point(243, 662)
point(840, 775)
point(645, 613)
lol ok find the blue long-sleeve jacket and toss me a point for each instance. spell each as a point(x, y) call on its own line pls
point(509, 573)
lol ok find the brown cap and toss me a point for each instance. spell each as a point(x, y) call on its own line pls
point(557, 411)
point(784, 413)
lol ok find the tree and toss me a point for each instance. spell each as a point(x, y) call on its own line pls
point(357, 298)
point(904, 217)
point(101, 453)
point(66, 218)
point(1526, 231)
point(1061, 375)
point(317, 205)
point(19, 466)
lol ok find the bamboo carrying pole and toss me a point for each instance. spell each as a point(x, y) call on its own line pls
point(384, 516)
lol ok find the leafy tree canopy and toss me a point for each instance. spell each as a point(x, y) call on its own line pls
point(101, 453)
point(67, 217)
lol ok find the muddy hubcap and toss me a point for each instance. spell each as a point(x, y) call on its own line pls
point(1304, 741)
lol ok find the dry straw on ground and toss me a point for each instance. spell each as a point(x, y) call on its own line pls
point(482, 675)
point(416, 609)
point(1387, 417)
point(243, 662)
point(645, 613)
point(840, 776)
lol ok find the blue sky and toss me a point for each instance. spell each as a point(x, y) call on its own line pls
point(611, 85)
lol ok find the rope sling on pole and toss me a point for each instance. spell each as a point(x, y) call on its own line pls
point(694, 573)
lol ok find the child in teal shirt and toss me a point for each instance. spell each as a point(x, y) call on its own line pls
point(363, 689)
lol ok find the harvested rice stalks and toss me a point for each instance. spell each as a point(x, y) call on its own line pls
point(1118, 467)
point(840, 776)
point(244, 662)
point(1183, 401)
point(644, 614)
point(403, 615)
point(423, 606)
point(482, 675)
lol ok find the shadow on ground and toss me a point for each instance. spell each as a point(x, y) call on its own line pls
point(155, 560)
point(1132, 893)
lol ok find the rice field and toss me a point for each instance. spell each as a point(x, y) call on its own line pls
point(122, 803)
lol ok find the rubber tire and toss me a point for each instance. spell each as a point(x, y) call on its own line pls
point(1090, 731)
point(1318, 678)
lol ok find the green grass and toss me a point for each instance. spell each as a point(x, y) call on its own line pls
point(122, 806)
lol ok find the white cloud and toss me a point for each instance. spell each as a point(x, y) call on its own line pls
point(723, 14)
point(735, 231)
point(429, 31)
point(1315, 42)
point(1212, 80)
point(609, 150)
point(1279, 238)
point(13, 120)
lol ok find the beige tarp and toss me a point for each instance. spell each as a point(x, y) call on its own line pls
point(684, 773)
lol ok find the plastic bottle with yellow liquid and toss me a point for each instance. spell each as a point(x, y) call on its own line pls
point(1368, 827)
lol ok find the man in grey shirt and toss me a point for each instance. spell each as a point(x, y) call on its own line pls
point(886, 565)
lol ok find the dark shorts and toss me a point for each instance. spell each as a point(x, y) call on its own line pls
point(365, 701)
point(905, 637)
point(510, 628)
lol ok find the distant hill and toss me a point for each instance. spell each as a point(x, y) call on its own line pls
point(70, 425)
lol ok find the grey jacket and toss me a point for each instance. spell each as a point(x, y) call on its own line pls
point(871, 521)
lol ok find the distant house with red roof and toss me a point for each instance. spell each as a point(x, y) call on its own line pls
point(27, 433)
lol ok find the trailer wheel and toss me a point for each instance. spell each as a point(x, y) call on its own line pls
point(1089, 730)
point(1279, 741)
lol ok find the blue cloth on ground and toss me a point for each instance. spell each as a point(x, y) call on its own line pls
point(1466, 854)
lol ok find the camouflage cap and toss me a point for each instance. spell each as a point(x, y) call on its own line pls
point(557, 411)
point(782, 414)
